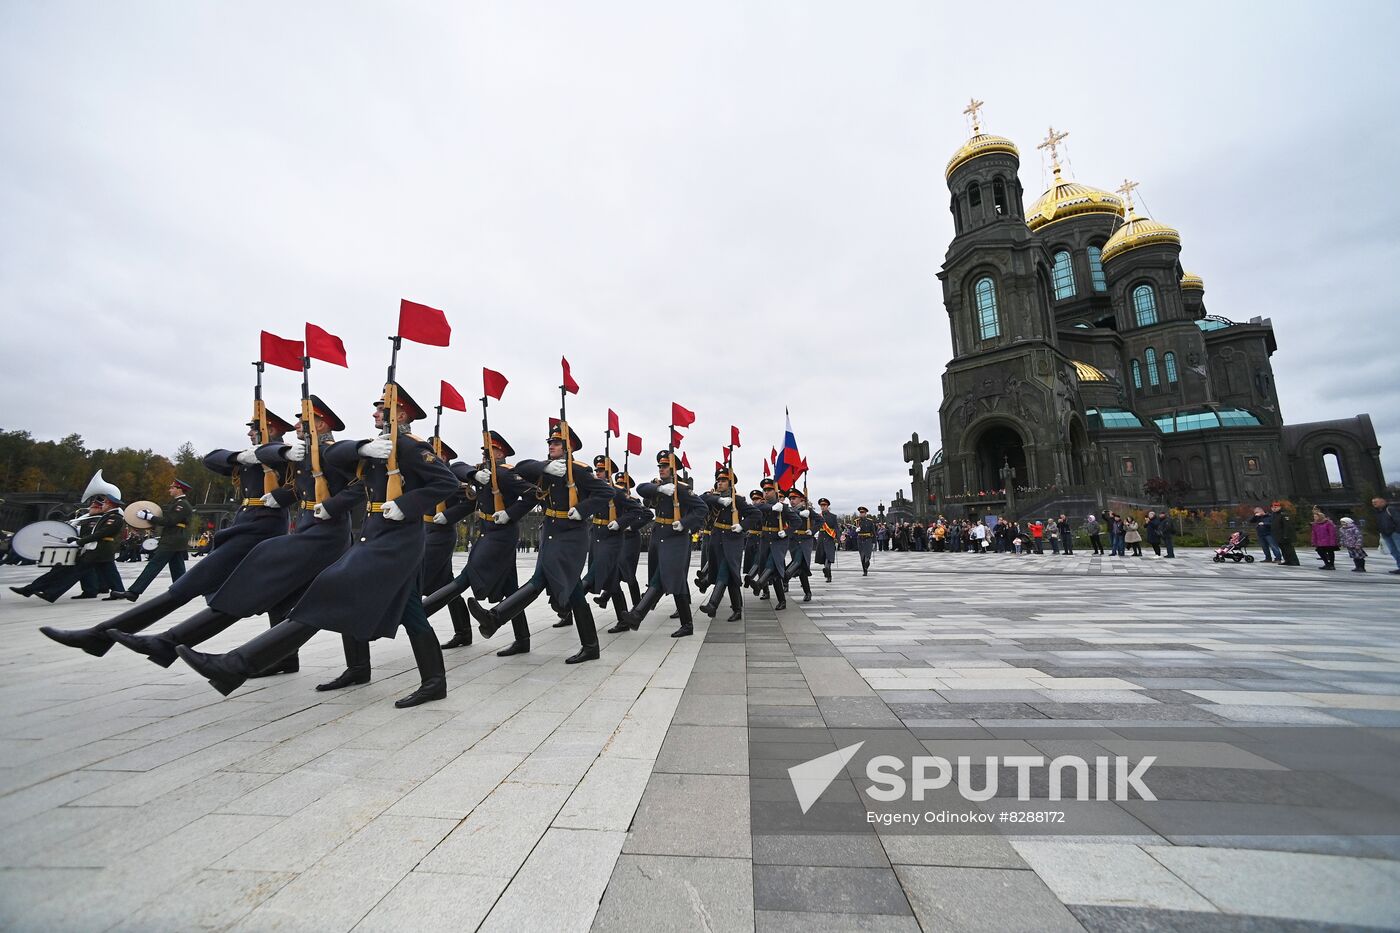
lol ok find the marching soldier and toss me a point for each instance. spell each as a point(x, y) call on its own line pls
point(174, 542)
point(259, 517)
point(679, 513)
point(802, 544)
point(753, 534)
point(440, 544)
point(778, 518)
point(276, 572)
point(570, 496)
point(97, 542)
point(490, 572)
point(826, 537)
point(631, 552)
point(609, 528)
point(865, 538)
point(373, 589)
point(728, 539)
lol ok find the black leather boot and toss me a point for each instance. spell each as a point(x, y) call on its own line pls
point(445, 594)
point(620, 609)
point(711, 605)
point(736, 602)
point(587, 634)
point(461, 625)
point(226, 672)
point(760, 582)
point(356, 665)
point(782, 595)
point(488, 620)
point(288, 665)
point(131, 621)
point(826, 572)
point(791, 570)
point(685, 628)
point(160, 649)
point(427, 654)
point(644, 605)
point(602, 601)
point(806, 589)
point(521, 629)
point(566, 620)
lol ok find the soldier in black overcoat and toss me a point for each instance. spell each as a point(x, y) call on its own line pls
point(373, 589)
point(803, 543)
point(439, 546)
point(276, 572)
point(778, 520)
point(259, 517)
point(570, 496)
point(865, 538)
point(827, 534)
point(610, 527)
point(679, 514)
point(728, 538)
point(753, 534)
point(490, 572)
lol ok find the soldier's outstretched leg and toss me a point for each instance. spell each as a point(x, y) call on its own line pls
point(644, 605)
point(634, 589)
point(160, 648)
point(97, 641)
point(711, 605)
point(686, 628)
point(356, 665)
point(587, 633)
point(488, 620)
point(736, 602)
point(521, 628)
point(226, 672)
point(288, 665)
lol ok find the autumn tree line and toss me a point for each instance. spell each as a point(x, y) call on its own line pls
point(28, 465)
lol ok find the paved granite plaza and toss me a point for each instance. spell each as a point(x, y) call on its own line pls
point(649, 791)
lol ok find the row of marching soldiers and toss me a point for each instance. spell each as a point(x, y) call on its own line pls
point(398, 570)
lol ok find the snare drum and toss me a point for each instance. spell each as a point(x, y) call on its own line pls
point(149, 545)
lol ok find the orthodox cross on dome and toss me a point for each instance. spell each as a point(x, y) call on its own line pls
point(1126, 190)
point(974, 106)
point(1052, 143)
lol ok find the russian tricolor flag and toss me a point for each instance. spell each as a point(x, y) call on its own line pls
point(789, 466)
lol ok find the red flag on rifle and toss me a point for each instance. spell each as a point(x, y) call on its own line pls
point(726, 452)
point(325, 346)
point(766, 470)
point(451, 398)
point(774, 455)
point(569, 385)
point(634, 445)
point(681, 416)
point(614, 428)
point(718, 466)
point(493, 383)
point(685, 461)
point(279, 351)
point(734, 437)
point(676, 438)
point(423, 324)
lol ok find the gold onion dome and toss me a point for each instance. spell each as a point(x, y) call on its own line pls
point(979, 145)
point(1067, 198)
point(1088, 372)
point(1191, 280)
point(1138, 231)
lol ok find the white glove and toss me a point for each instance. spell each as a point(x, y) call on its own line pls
point(500, 518)
point(146, 515)
point(269, 500)
point(321, 512)
point(556, 467)
point(90, 546)
point(391, 511)
point(482, 477)
point(777, 506)
point(726, 500)
point(666, 488)
point(440, 518)
point(805, 513)
point(248, 457)
point(614, 526)
point(574, 515)
point(377, 449)
point(296, 451)
point(782, 534)
point(677, 526)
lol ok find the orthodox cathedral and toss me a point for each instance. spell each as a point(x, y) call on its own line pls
point(1084, 358)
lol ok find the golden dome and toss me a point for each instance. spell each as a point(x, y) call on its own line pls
point(1070, 199)
point(1191, 280)
point(979, 145)
point(1137, 231)
point(1087, 372)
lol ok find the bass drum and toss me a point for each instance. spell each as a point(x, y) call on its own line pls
point(140, 524)
point(30, 541)
point(149, 545)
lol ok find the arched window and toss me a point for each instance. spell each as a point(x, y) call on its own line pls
point(1064, 276)
point(1152, 377)
point(974, 195)
point(1137, 375)
point(988, 324)
point(1169, 361)
point(1332, 468)
point(1145, 305)
point(999, 196)
point(1096, 270)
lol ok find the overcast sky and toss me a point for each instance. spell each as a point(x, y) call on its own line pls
point(739, 206)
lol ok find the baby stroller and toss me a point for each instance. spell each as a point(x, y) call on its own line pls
point(1233, 550)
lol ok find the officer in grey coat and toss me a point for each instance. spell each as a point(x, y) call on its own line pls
point(827, 533)
point(804, 533)
point(679, 514)
point(728, 536)
point(778, 520)
point(865, 538)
